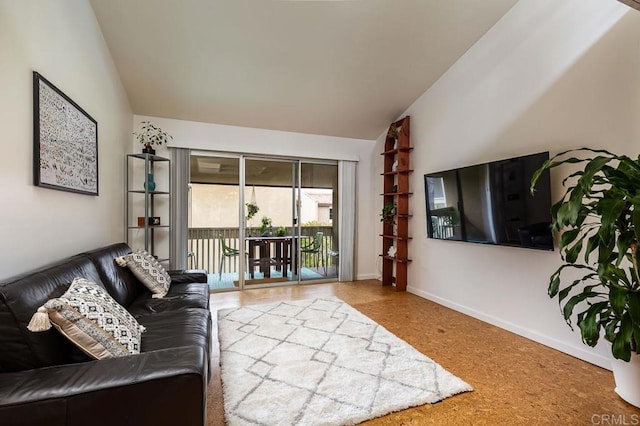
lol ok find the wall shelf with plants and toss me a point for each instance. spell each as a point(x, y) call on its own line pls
point(395, 211)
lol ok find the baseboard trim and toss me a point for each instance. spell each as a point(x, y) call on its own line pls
point(367, 277)
point(574, 351)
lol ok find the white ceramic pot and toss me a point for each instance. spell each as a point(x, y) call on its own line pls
point(627, 377)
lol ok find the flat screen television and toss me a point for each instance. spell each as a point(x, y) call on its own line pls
point(491, 204)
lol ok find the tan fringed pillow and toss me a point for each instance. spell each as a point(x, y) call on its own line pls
point(148, 270)
point(88, 316)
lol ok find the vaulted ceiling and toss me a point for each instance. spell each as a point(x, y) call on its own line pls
point(340, 68)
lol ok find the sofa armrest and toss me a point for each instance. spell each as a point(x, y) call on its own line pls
point(184, 276)
point(159, 387)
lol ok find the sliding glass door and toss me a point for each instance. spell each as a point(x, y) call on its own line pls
point(270, 189)
point(318, 231)
point(257, 221)
point(214, 222)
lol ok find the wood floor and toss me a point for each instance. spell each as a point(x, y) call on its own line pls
point(516, 381)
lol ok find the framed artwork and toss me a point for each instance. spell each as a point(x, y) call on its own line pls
point(65, 141)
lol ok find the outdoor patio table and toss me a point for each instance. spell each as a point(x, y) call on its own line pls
point(281, 247)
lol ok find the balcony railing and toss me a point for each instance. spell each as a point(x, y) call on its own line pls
point(205, 247)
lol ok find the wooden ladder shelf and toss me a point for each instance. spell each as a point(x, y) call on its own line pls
point(395, 232)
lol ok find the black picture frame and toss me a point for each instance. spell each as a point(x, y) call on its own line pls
point(65, 141)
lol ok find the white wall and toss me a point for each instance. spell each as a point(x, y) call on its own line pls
point(223, 138)
point(551, 75)
point(62, 41)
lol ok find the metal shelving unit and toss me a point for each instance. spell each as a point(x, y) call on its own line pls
point(142, 202)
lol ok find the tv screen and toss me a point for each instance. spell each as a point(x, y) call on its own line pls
point(491, 204)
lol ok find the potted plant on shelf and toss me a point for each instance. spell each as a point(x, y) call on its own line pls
point(394, 132)
point(388, 213)
point(599, 215)
point(150, 135)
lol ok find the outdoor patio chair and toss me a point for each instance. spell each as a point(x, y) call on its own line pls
point(191, 257)
point(335, 255)
point(225, 251)
point(315, 249)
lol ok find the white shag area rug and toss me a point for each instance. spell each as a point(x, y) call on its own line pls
point(320, 362)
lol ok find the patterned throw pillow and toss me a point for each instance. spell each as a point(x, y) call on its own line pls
point(92, 320)
point(148, 270)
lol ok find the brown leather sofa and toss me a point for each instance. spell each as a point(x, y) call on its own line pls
point(46, 380)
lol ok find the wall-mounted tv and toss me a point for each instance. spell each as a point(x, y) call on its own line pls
point(491, 204)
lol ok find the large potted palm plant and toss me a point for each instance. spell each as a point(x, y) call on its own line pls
point(599, 217)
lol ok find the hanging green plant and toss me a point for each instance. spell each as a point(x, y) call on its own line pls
point(252, 209)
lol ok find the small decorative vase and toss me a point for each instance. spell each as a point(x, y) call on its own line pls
point(148, 150)
point(150, 183)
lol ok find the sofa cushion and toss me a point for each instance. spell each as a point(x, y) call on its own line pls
point(188, 276)
point(148, 270)
point(20, 297)
point(172, 329)
point(120, 282)
point(94, 321)
point(180, 296)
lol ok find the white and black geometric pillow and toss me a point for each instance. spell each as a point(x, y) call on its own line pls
point(94, 321)
point(148, 270)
